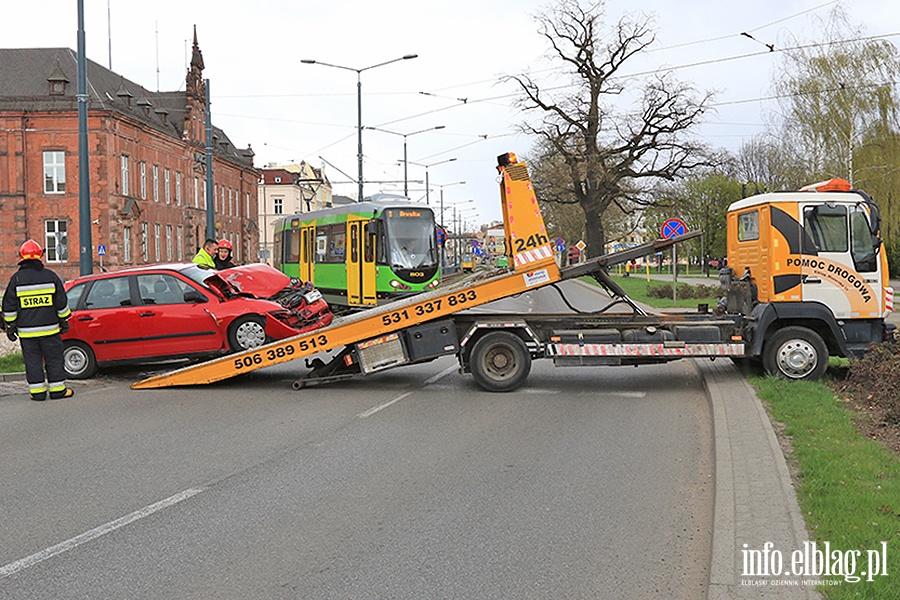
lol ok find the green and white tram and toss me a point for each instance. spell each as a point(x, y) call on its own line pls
point(362, 254)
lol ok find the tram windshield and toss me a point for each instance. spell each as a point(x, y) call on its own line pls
point(410, 238)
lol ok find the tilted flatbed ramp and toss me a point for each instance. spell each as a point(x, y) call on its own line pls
point(534, 267)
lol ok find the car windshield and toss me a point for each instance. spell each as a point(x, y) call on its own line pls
point(197, 273)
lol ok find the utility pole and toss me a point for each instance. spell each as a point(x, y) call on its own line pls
point(210, 192)
point(86, 244)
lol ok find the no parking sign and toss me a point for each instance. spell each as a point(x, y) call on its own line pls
point(673, 228)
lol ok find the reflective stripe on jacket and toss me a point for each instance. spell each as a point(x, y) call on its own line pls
point(35, 301)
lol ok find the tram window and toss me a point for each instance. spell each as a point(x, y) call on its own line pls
point(354, 242)
point(276, 254)
point(337, 242)
point(292, 251)
point(369, 239)
point(303, 250)
point(321, 243)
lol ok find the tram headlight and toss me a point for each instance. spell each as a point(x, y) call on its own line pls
point(434, 284)
point(399, 285)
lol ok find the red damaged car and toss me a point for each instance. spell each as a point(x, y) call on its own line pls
point(172, 311)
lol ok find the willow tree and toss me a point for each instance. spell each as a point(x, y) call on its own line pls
point(837, 95)
point(606, 155)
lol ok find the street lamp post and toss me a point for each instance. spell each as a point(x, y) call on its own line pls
point(427, 191)
point(460, 223)
point(359, 126)
point(405, 135)
point(442, 186)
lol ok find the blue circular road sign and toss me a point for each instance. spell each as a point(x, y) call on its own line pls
point(673, 228)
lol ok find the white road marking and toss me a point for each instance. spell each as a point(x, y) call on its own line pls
point(380, 407)
point(375, 409)
point(442, 374)
point(93, 534)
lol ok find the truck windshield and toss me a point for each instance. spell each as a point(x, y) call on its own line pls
point(410, 239)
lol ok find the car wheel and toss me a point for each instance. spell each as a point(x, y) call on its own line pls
point(796, 353)
point(246, 333)
point(500, 362)
point(79, 360)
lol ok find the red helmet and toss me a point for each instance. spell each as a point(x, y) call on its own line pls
point(31, 250)
point(225, 244)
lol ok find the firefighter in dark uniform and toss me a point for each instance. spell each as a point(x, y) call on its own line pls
point(35, 309)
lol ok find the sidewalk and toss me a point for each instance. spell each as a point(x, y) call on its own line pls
point(755, 501)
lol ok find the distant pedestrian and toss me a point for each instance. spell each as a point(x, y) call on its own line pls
point(204, 256)
point(35, 309)
point(223, 257)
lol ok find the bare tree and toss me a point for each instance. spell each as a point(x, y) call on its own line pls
point(605, 156)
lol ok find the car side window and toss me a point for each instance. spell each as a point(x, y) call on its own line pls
point(108, 293)
point(159, 288)
point(74, 295)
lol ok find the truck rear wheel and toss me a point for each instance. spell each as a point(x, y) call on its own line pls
point(795, 353)
point(500, 362)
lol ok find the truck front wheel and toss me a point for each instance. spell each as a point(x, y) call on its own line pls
point(500, 362)
point(795, 353)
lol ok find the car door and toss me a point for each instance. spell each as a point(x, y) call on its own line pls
point(173, 325)
point(108, 319)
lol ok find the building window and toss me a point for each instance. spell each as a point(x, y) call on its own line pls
point(124, 175)
point(278, 206)
point(179, 242)
point(277, 179)
point(248, 203)
point(178, 189)
point(54, 172)
point(145, 251)
point(204, 194)
point(156, 183)
point(126, 244)
point(223, 199)
point(230, 201)
point(56, 241)
point(156, 246)
point(196, 193)
point(143, 180)
point(168, 242)
point(168, 191)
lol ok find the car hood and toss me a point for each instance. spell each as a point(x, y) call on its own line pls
point(256, 280)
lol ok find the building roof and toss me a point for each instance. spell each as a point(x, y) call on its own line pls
point(26, 74)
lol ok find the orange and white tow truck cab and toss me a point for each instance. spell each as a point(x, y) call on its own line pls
point(810, 270)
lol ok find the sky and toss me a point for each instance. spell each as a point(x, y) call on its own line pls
point(289, 111)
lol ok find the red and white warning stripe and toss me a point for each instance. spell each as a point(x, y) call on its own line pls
point(889, 299)
point(528, 256)
point(645, 350)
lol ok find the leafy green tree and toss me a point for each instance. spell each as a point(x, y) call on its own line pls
point(702, 203)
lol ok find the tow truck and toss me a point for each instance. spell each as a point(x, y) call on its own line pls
point(795, 294)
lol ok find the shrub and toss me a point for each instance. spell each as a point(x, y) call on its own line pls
point(685, 291)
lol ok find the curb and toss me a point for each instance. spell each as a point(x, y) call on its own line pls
point(755, 502)
point(12, 376)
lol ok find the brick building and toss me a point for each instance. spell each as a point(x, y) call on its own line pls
point(147, 176)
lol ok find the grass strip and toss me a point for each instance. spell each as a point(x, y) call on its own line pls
point(12, 363)
point(637, 287)
point(849, 486)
